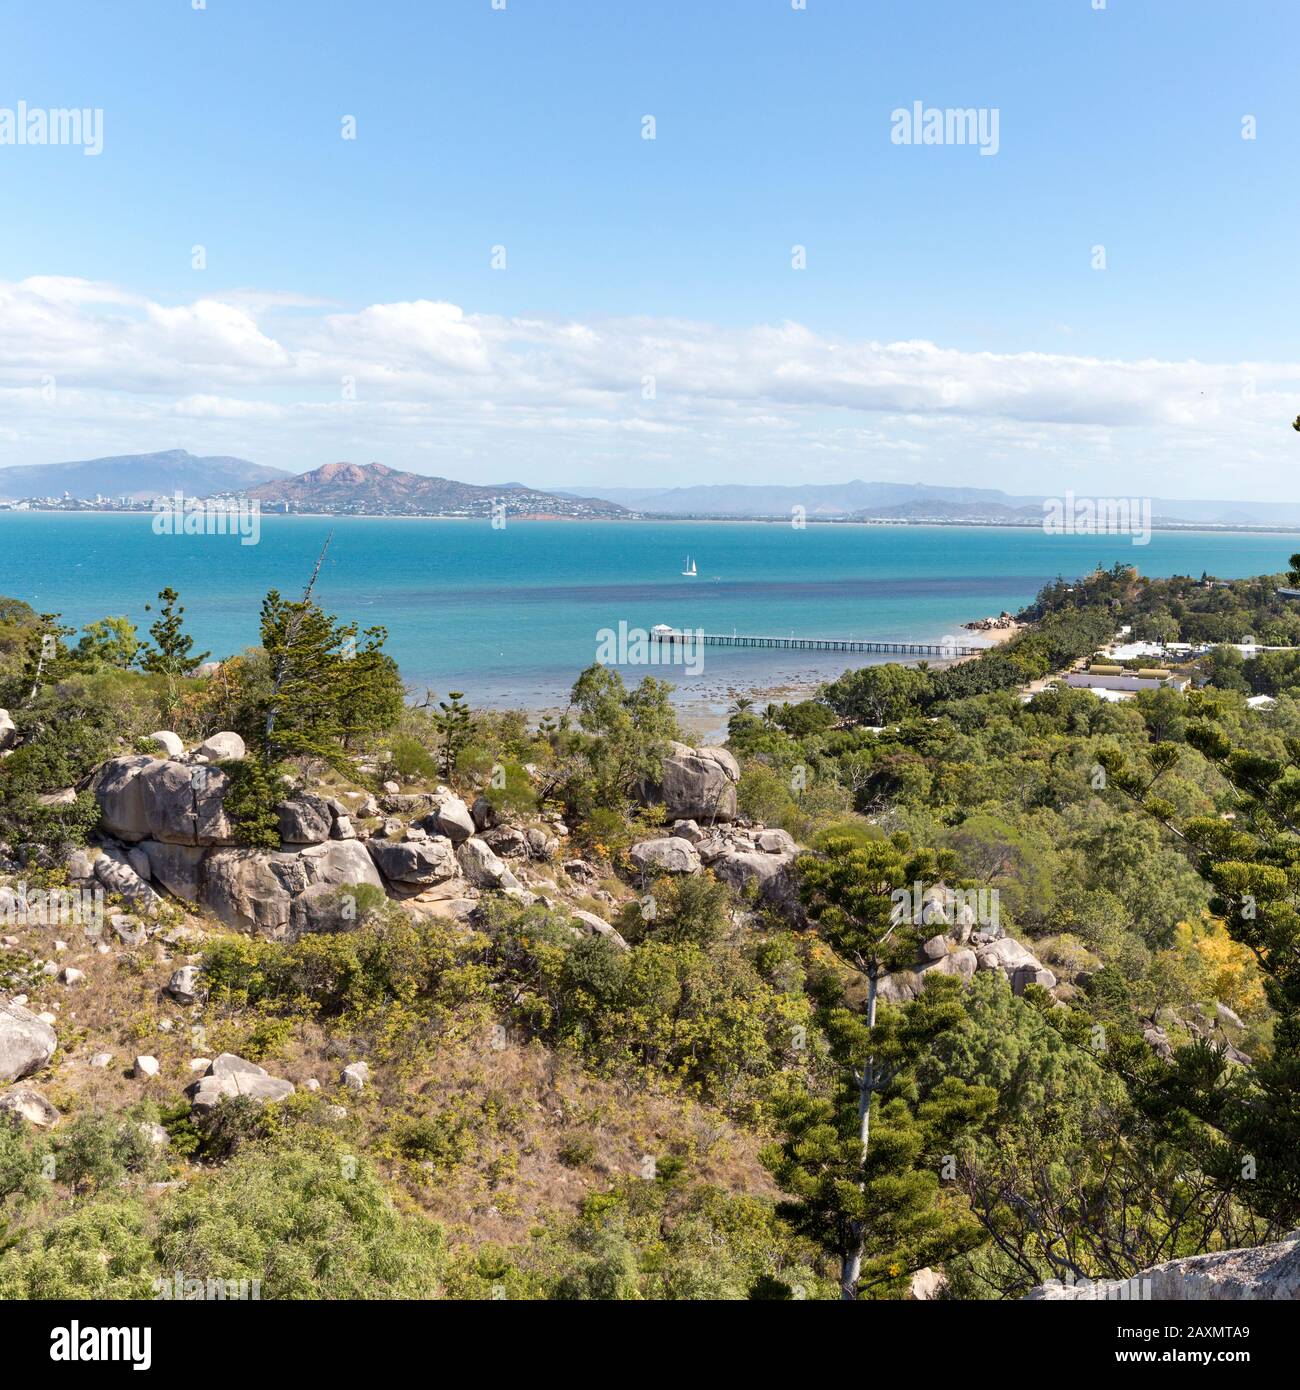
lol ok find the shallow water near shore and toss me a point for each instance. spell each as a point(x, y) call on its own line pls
point(511, 616)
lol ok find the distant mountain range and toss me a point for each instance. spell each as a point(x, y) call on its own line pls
point(912, 502)
point(769, 499)
point(370, 489)
point(137, 476)
point(373, 489)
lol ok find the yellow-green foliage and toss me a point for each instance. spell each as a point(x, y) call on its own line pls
point(306, 1220)
point(660, 1237)
point(394, 972)
point(700, 1013)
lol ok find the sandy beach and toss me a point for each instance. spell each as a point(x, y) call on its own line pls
point(994, 636)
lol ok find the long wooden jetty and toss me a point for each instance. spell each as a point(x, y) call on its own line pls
point(946, 650)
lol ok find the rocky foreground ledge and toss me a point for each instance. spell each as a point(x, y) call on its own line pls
point(1261, 1273)
point(166, 841)
point(164, 829)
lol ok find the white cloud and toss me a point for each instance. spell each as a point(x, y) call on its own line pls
point(226, 408)
point(425, 384)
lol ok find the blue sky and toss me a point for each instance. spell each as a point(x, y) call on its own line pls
point(1171, 370)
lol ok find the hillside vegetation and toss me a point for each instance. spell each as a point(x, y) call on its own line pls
point(923, 977)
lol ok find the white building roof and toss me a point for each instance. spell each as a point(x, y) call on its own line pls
point(1135, 651)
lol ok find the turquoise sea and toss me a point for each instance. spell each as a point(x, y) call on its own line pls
point(510, 616)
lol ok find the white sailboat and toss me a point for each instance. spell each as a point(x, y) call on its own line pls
point(690, 572)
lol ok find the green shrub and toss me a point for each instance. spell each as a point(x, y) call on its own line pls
point(443, 1140)
point(409, 758)
point(510, 791)
point(308, 1221)
point(96, 1152)
point(98, 1251)
point(232, 1124)
point(250, 801)
point(428, 965)
point(576, 1150)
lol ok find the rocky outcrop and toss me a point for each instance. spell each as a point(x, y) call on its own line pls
point(902, 985)
point(455, 899)
point(228, 1076)
point(669, 855)
point(337, 863)
point(410, 866)
point(186, 805)
point(944, 907)
point(927, 1284)
point(8, 733)
point(183, 986)
point(1016, 962)
point(177, 867)
point(943, 953)
point(144, 798)
point(755, 862)
point(244, 887)
point(767, 875)
point(29, 1105)
point(540, 844)
point(591, 925)
point(355, 1076)
point(169, 742)
point(508, 841)
point(775, 842)
point(168, 827)
point(305, 819)
point(688, 830)
point(322, 907)
point(255, 889)
point(129, 930)
point(250, 888)
point(115, 872)
point(26, 1044)
point(699, 783)
point(450, 817)
point(1264, 1273)
point(581, 872)
point(482, 867)
point(117, 791)
point(174, 800)
point(222, 747)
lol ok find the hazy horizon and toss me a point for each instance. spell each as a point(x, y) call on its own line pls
point(613, 490)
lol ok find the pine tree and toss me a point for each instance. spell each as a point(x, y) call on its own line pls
point(46, 653)
point(309, 654)
point(868, 1195)
point(172, 653)
point(455, 723)
point(879, 1206)
point(326, 690)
